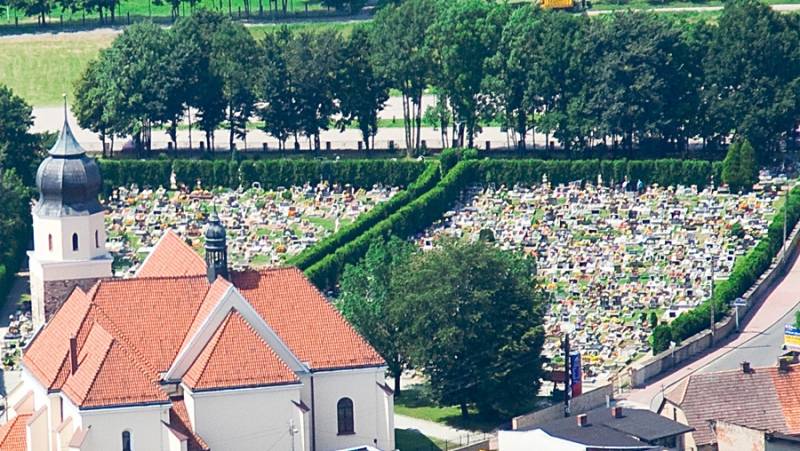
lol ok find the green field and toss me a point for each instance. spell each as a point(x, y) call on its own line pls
point(411, 440)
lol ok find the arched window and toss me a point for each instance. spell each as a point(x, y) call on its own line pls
point(74, 241)
point(126, 441)
point(344, 413)
point(50, 243)
point(96, 239)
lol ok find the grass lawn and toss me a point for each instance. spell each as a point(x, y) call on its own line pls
point(415, 401)
point(411, 440)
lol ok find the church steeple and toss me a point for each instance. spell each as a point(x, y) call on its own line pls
point(216, 248)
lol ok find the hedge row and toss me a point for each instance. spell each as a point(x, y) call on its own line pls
point(360, 173)
point(329, 245)
point(746, 270)
point(663, 171)
point(405, 222)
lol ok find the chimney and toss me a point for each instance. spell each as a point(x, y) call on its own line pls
point(583, 420)
point(73, 354)
point(783, 365)
point(746, 367)
point(616, 412)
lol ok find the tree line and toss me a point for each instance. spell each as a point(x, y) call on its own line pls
point(618, 81)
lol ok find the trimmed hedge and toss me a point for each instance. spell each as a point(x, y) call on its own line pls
point(329, 245)
point(746, 270)
point(270, 174)
point(405, 222)
point(664, 172)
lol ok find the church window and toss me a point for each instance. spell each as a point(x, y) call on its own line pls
point(50, 243)
point(96, 239)
point(344, 413)
point(126, 441)
point(74, 241)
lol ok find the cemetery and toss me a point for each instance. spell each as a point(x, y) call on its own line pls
point(615, 259)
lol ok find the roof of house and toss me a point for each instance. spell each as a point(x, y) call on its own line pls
point(179, 421)
point(763, 398)
point(131, 332)
point(632, 430)
point(12, 434)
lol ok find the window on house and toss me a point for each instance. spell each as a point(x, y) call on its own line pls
point(96, 239)
point(74, 241)
point(50, 242)
point(126, 441)
point(344, 413)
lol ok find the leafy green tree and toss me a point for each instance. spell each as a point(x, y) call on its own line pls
point(398, 35)
point(366, 297)
point(275, 88)
point(362, 92)
point(662, 336)
point(752, 73)
point(20, 151)
point(193, 54)
point(234, 62)
point(463, 36)
point(740, 168)
point(95, 101)
point(473, 323)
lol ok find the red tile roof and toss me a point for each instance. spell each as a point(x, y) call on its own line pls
point(762, 399)
point(130, 331)
point(304, 319)
point(171, 256)
point(235, 357)
point(12, 434)
point(179, 421)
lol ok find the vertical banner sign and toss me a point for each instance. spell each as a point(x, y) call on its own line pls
point(576, 374)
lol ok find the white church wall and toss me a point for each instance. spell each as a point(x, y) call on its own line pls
point(247, 419)
point(370, 407)
point(107, 425)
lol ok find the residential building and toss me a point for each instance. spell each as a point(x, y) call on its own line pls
point(765, 401)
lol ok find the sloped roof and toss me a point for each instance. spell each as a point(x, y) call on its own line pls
point(130, 332)
point(237, 357)
point(180, 422)
point(762, 399)
point(171, 256)
point(12, 434)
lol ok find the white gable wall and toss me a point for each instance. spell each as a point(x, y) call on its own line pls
point(106, 426)
point(254, 419)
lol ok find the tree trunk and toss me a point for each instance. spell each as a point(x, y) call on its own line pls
point(464, 411)
point(397, 384)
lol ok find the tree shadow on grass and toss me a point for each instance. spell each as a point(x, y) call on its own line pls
point(413, 440)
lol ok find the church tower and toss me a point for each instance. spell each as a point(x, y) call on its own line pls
point(69, 238)
point(216, 248)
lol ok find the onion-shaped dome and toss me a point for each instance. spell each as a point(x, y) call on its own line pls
point(69, 182)
point(215, 233)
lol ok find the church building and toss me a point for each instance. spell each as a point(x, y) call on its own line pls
point(185, 356)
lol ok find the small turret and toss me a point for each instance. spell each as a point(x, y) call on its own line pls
point(216, 248)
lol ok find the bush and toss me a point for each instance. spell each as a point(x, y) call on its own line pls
point(329, 245)
point(662, 335)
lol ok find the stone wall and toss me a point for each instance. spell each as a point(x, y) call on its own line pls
point(57, 291)
point(580, 404)
point(643, 371)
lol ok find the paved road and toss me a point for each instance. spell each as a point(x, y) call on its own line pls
point(758, 342)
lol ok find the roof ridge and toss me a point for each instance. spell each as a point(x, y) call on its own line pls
point(139, 278)
point(117, 334)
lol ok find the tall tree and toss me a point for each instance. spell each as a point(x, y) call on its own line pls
point(752, 71)
point(398, 35)
point(362, 91)
point(365, 300)
point(276, 89)
point(234, 61)
point(193, 52)
point(473, 324)
point(19, 149)
point(95, 101)
point(463, 36)
point(740, 168)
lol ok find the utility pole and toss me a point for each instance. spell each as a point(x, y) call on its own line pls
point(566, 374)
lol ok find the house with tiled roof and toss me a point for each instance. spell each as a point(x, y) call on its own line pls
point(188, 356)
point(720, 405)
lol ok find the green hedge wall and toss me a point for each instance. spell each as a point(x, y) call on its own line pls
point(663, 172)
point(746, 270)
point(360, 173)
point(405, 222)
point(329, 245)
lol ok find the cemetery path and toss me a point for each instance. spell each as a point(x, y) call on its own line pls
point(756, 343)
